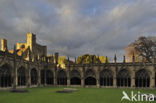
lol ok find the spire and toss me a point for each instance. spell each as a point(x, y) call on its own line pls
point(98, 59)
point(15, 49)
point(68, 61)
point(75, 60)
point(56, 57)
point(115, 58)
point(106, 59)
point(124, 60)
point(92, 59)
point(133, 57)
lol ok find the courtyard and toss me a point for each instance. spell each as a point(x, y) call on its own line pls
point(83, 95)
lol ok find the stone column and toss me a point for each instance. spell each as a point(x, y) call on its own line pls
point(68, 81)
point(15, 79)
point(133, 79)
point(83, 78)
point(115, 77)
point(45, 76)
point(114, 81)
point(39, 77)
point(68, 76)
point(28, 76)
point(55, 78)
point(97, 78)
point(98, 82)
point(82, 82)
point(152, 79)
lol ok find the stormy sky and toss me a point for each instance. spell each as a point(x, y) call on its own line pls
point(75, 27)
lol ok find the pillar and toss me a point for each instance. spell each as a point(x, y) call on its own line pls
point(114, 81)
point(97, 82)
point(15, 70)
point(115, 77)
point(68, 76)
point(28, 76)
point(15, 79)
point(83, 78)
point(39, 77)
point(68, 81)
point(45, 76)
point(152, 80)
point(97, 78)
point(82, 82)
point(133, 79)
point(55, 78)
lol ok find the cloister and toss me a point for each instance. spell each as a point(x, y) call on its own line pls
point(15, 71)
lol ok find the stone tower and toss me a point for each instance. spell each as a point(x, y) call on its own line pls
point(3, 44)
point(31, 40)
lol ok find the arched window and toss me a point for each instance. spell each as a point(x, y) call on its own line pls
point(123, 78)
point(61, 77)
point(5, 76)
point(33, 76)
point(90, 77)
point(21, 76)
point(142, 78)
point(49, 77)
point(106, 78)
point(43, 74)
point(75, 78)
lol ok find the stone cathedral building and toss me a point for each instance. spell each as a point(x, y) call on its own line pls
point(29, 65)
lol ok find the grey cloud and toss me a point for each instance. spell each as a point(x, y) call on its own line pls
point(65, 26)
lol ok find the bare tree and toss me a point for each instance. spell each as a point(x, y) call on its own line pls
point(145, 47)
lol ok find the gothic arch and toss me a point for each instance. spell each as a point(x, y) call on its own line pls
point(34, 76)
point(49, 77)
point(123, 78)
point(5, 76)
point(21, 72)
point(75, 77)
point(61, 77)
point(106, 77)
point(90, 77)
point(142, 78)
point(43, 74)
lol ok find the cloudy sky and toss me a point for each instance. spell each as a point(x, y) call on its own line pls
point(75, 27)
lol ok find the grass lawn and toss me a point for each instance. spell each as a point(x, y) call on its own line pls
point(84, 95)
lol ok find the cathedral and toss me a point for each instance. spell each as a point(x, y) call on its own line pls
point(29, 65)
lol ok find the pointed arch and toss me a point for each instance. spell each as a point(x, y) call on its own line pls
point(124, 78)
point(34, 76)
point(61, 77)
point(49, 77)
point(5, 76)
point(90, 77)
point(106, 77)
point(75, 77)
point(142, 78)
point(21, 72)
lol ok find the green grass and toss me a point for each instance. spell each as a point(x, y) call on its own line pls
point(84, 95)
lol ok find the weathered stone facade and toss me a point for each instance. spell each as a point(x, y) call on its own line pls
point(16, 71)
